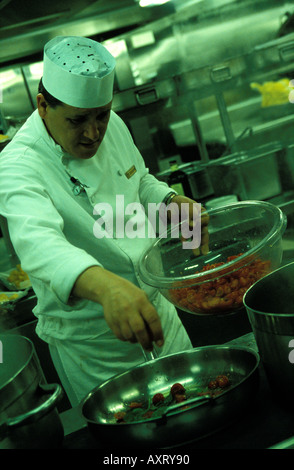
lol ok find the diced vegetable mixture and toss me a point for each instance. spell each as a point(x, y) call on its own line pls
point(222, 294)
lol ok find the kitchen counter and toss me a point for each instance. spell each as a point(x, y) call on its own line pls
point(267, 424)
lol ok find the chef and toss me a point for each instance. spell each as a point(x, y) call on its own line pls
point(72, 154)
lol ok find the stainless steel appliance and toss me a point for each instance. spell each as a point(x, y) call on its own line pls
point(28, 414)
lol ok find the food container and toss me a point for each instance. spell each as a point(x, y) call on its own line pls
point(249, 175)
point(245, 243)
point(195, 180)
point(15, 279)
point(8, 297)
point(270, 307)
point(28, 414)
point(183, 422)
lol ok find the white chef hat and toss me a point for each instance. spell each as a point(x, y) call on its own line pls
point(78, 71)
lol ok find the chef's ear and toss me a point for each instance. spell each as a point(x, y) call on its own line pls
point(42, 105)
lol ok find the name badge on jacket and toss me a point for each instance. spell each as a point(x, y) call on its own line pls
point(131, 172)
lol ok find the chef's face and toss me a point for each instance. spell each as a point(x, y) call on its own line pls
point(79, 131)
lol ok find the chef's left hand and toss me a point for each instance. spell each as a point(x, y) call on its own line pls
point(179, 200)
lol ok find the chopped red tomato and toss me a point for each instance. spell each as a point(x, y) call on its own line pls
point(135, 404)
point(179, 397)
point(213, 384)
point(120, 416)
point(177, 389)
point(157, 398)
point(223, 381)
point(222, 294)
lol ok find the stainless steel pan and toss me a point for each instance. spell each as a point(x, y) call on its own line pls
point(176, 425)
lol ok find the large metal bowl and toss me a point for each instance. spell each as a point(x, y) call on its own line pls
point(270, 308)
point(177, 425)
point(214, 283)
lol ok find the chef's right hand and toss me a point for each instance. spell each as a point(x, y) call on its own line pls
point(127, 309)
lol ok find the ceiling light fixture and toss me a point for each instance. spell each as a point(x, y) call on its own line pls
point(152, 3)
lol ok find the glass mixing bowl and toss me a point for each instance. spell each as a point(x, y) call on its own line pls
point(245, 244)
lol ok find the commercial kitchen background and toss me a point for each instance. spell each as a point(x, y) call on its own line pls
point(203, 83)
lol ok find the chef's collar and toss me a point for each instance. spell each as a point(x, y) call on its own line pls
point(78, 71)
point(45, 136)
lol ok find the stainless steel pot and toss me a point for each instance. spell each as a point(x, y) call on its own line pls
point(270, 308)
point(176, 425)
point(28, 415)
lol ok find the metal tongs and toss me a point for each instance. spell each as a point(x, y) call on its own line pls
point(149, 355)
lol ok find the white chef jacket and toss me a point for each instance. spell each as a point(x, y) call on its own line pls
point(52, 230)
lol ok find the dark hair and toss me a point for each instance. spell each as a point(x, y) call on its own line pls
point(53, 102)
